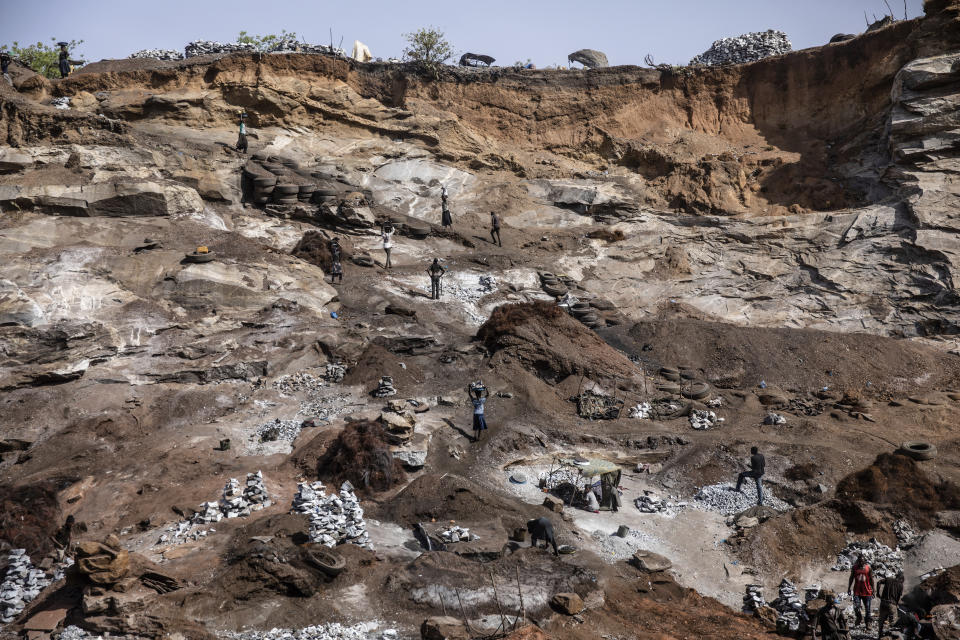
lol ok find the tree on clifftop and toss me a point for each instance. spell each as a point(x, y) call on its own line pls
point(265, 43)
point(42, 58)
point(428, 46)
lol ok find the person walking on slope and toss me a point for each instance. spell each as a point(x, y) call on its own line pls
point(386, 232)
point(495, 228)
point(445, 218)
point(890, 592)
point(478, 395)
point(336, 271)
point(862, 585)
point(242, 138)
point(830, 621)
point(757, 464)
point(436, 272)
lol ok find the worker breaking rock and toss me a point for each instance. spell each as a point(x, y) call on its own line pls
point(830, 621)
point(542, 529)
point(436, 272)
point(862, 585)
point(757, 464)
point(446, 220)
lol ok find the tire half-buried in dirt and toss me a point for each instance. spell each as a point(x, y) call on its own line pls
point(919, 450)
point(326, 561)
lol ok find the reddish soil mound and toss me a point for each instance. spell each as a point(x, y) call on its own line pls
point(361, 455)
point(313, 248)
point(899, 482)
point(550, 343)
point(376, 361)
point(29, 517)
point(795, 359)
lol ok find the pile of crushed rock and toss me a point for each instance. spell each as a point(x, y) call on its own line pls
point(748, 47)
point(236, 501)
point(285, 44)
point(722, 498)
point(159, 54)
point(882, 559)
point(330, 631)
point(334, 519)
point(24, 582)
point(650, 502)
point(790, 607)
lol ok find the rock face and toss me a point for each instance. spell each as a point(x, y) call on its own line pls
point(114, 199)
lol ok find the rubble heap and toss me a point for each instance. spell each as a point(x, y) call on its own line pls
point(649, 502)
point(904, 532)
point(723, 499)
point(558, 477)
point(702, 420)
point(236, 501)
point(881, 558)
point(103, 563)
point(205, 47)
point(748, 47)
point(457, 534)
point(278, 430)
point(285, 44)
point(22, 584)
point(301, 381)
point(333, 519)
point(330, 631)
point(159, 54)
point(641, 410)
point(385, 388)
point(789, 606)
point(753, 598)
point(334, 372)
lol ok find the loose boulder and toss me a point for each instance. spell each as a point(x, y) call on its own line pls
point(568, 603)
point(590, 58)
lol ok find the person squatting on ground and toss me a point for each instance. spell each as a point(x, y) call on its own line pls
point(242, 138)
point(495, 228)
point(436, 272)
point(542, 529)
point(830, 621)
point(862, 586)
point(757, 464)
point(386, 232)
point(890, 592)
point(478, 395)
point(336, 271)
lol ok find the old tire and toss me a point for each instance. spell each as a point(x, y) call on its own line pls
point(670, 374)
point(273, 167)
point(688, 374)
point(698, 390)
point(667, 387)
point(580, 309)
point(287, 189)
point(363, 260)
point(919, 450)
point(329, 563)
point(262, 181)
point(588, 318)
point(554, 290)
point(602, 305)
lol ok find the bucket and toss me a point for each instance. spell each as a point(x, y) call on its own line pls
point(623, 530)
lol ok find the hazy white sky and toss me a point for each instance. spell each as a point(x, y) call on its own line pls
point(543, 30)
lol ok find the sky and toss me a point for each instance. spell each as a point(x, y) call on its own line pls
point(545, 31)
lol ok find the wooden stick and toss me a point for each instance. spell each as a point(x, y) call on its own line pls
point(523, 609)
point(466, 624)
point(440, 597)
point(496, 598)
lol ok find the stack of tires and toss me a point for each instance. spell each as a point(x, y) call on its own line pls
point(286, 193)
point(583, 312)
point(683, 380)
point(552, 285)
point(306, 192)
point(262, 181)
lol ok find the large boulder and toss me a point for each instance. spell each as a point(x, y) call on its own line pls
point(12, 161)
point(650, 562)
point(443, 628)
point(590, 58)
point(568, 603)
point(125, 198)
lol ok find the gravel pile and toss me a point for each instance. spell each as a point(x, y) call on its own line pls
point(702, 420)
point(333, 518)
point(385, 388)
point(613, 548)
point(721, 498)
point(774, 419)
point(205, 47)
point(285, 44)
point(324, 407)
point(23, 582)
point(76, 633)
point(558, 477)
point(641, 411)
point(748, 47)
point(904, 532)
point(159, 54)
point(649, 502)
point(299, 382)
point(278, 429)
point(330, 631)
point(334, 372)
point(881, 558)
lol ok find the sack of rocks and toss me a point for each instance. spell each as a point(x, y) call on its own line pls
point(104, 563)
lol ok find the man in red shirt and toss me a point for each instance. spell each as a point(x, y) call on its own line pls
point(862, 586)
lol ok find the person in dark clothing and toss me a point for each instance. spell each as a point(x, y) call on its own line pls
point(757, 464)
point(446, 220)
point(542, 529)
point(478, 395)
point(242, 138)
point(495, 228)
point(335, 250)
point(436, 272)
point(5, 66)
point(830, 621)
point(64, 60)
point(336, 271)
point(891, 590)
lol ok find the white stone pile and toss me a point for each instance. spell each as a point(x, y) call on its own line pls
point(22, 583)
point(487, 284)
point(76, 633)
point(774, 419)
point(722, 498)
point(385, 388)
point(457, 534)
point(649, 502)
point(159, 54)
point(237, 501)
point(753, 598)
point(287, 43)
point(61, 103)
point(278, 429)
point(558, 477)
point(299, 382)
point(748, 47)
point(703, 419)
point(330, 631)
point(789, 606)
point(185, 532)
point(641, 411)
point(882, 559)
point(904, 532)
point(205, 47)
point(335, 372)
point(334, 519)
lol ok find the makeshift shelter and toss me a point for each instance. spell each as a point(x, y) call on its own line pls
point(589, 474)
point(475, 59)
point(361, 52)
point(590, 58)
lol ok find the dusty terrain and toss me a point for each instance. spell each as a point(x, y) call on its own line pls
point(784, 231)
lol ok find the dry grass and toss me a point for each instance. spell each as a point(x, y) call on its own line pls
point(361, 455)
point(29, 517)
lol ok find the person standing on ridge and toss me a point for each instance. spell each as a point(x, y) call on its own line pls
point(64, 60)
point(495, 228)
point(757, 465)
point(436, 272)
